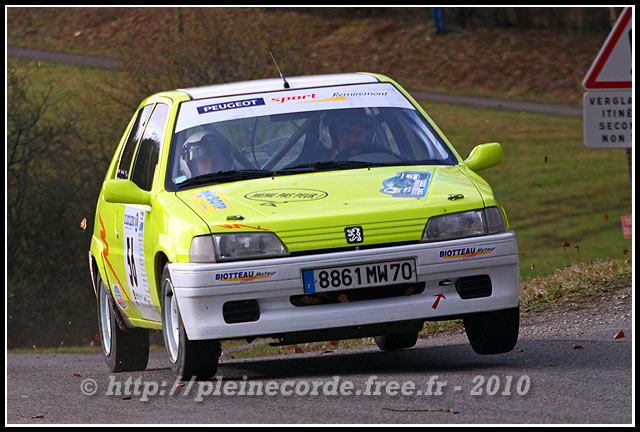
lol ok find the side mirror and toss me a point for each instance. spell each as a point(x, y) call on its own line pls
point(125, 192)
point(484, 156)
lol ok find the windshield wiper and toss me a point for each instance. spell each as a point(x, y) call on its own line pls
point(330, 165)
point(225, 176)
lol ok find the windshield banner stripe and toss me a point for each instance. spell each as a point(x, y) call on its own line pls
point(205, 111)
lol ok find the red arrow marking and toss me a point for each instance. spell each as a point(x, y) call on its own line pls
point(233, 226)
point(105, 254)
point(435, 305)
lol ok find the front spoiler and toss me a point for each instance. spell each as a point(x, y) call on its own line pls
point(201, 297)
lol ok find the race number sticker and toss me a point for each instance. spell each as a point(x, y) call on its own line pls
point(133, 238)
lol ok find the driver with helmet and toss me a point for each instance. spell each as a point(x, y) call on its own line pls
point(204, 153)
point(352, 133)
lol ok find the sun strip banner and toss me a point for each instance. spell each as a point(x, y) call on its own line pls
point(204, 111)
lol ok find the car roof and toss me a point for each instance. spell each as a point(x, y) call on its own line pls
point(275, 84)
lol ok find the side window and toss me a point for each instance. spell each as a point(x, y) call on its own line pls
point(149, 148)
point(127, 153)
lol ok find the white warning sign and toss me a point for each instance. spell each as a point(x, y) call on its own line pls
point(608, 119)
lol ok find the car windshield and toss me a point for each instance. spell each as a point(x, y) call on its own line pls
point(228, 148)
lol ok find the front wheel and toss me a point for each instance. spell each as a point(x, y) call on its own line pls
point(124, 350)
point(493, 332)
point(189, 359)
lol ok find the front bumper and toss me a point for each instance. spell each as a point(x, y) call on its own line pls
point(201, 297)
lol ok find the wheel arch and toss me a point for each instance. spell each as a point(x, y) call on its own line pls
point(164, 254)
point(97, 268)
point(161, 259)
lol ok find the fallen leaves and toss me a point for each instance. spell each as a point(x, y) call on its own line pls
point(619, 335)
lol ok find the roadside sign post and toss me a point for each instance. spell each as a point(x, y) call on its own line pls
point(608, 101)
point(607, 118)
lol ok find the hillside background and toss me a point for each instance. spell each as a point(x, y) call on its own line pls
point(539, 54)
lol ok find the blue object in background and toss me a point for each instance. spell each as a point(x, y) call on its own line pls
point(438, 18)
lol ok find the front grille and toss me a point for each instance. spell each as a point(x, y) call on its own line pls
point(330, 237)
point(241, 311)
point(360, 294)
point(474, 287)
point(350, 248)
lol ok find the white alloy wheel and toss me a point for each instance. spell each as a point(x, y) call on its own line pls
point(171, 321)
point(105, 321)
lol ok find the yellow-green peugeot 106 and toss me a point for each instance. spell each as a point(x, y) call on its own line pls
point(299, 209)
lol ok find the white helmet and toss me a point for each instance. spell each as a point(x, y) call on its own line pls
point(202, 143)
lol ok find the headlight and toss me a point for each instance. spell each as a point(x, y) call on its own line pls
point(494, 221)
point(226, 247)
point(464, 224)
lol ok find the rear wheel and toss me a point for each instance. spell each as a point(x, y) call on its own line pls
point(124, 350)
point(398, 341)
point(493, 332)
point(189, 359)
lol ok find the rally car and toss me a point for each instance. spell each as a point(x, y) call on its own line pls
point(322, 208)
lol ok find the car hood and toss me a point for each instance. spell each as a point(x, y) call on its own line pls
point(311, 211)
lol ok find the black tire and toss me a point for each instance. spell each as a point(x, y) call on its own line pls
point(493, 332)
point(188, 359)
point(398, 341)
point(124, 350)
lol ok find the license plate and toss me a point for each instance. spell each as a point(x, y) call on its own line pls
point(358, 276)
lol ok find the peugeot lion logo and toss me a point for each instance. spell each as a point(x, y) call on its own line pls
point(354, 234)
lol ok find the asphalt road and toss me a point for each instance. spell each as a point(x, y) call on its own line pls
point(499, 104)
point(567, 368)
